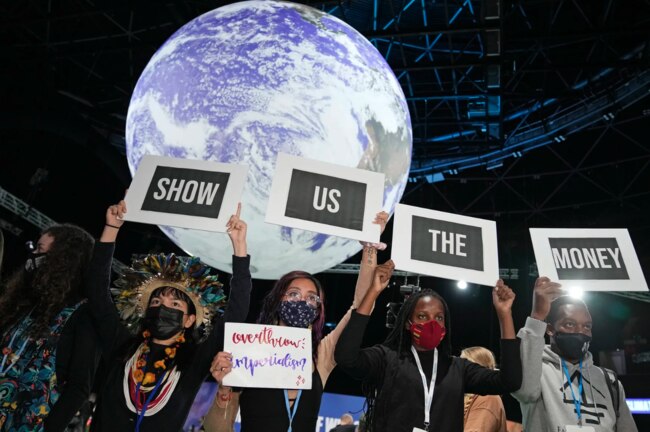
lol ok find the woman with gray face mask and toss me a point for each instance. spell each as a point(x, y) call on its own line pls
point(48, 347)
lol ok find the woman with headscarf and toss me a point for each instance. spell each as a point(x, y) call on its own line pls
point(174, 328)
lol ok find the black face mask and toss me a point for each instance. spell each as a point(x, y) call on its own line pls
point(572, 346)
point(34, 261)
point(163, 322)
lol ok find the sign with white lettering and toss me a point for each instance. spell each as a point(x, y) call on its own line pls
point(325, 198)
point(267, 356)
point(446, 245)
point(185, 193)
point(589, 259)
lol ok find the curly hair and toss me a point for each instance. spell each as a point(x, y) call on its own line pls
point(56, 283)
point(399, 340)
point(270, 313)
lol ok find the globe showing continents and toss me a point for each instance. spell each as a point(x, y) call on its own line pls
point(247, 81)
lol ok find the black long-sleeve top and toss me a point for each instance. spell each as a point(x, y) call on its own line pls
point(400, 398)
point(77, 355)
point(112, 413)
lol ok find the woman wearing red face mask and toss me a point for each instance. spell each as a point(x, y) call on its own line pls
point(412, 382)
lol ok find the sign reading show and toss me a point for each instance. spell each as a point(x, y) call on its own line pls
point(445, 245)
point(267, 356)
point(185, 193)
point(325, 198)
point(590, 259)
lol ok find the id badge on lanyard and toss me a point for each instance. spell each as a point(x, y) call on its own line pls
point(428, 390)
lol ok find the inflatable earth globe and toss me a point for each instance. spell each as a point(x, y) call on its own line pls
point(247, 81)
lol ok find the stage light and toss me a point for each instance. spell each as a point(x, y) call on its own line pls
point(461, 285)
point(576, 292)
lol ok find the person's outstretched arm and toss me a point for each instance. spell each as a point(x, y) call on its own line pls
point(241, 283)
point(486, 381)
point(326, 362)
point(532, 340)
point(105, 318)
point(357, 362)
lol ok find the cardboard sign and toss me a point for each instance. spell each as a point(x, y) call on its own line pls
point(325, 198)
point(589, 259)
point(268, 356)
point(445, 245)
point(185, 193)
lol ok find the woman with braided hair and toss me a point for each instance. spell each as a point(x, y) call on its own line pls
point(173, 328)
point(48, 347)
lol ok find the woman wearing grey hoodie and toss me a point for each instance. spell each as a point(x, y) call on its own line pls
point(562, 390)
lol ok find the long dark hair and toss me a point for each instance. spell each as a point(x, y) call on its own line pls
point(56, 283)
point(186, 350)
point(270, 313)
point(399, 340)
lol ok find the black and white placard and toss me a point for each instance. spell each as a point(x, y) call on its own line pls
point(445, 245)
point(589, 259)
point(185, 193)
point(325, 198)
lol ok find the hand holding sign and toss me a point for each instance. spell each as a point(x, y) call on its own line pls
point(236, 229)
point(502, 298)
point(381, 219)
point(221, 366)
point(545, 292)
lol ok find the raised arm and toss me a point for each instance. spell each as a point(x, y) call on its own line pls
point(367, 267)
point(532, 340)
point(348, 354)
point(241, 283)
point(485, 381)
point(106, 320)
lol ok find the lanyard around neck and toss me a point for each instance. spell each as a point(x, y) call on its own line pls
point(577, 401)
point(428, 391)
point(291, 413)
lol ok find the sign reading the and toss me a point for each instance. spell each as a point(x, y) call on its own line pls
point(185, 193)
point(267, 356)
point(445, 245)
point(590, 259)
point(325, 198)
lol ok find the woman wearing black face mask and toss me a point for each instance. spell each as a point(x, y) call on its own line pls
point(173, 330)
point(412, 381)
point(296, 300)
point(48, 349)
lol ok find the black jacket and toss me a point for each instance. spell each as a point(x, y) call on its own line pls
point(400, 398)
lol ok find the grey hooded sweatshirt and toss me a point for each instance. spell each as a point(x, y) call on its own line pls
point(545, 397)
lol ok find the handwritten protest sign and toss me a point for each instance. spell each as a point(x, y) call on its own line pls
point(268, 356)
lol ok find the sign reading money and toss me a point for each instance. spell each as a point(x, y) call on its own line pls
point(185, 193)
point(446, 245)
point(325, 198)
point(589, 259)
point(268, 356)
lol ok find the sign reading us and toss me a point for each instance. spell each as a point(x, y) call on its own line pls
point(325, 198)
point(589, 259)
point(445, 245)
point(185, 193)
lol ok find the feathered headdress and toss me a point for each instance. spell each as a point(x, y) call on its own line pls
point(134, 288)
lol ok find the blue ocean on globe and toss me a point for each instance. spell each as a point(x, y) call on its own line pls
point(247, 81)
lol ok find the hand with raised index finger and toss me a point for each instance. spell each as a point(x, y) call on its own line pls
point(236, 229)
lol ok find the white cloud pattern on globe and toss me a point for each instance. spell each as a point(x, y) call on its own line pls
point(247, 81)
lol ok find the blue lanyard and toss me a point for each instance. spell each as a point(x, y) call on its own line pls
point(577, 401)
point(291, 414)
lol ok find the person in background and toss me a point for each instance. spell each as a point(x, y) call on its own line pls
point(296, 300)
point(48, 349)
point(345, 425)
point(159, 357)
point(411, 380)
point(483, 413)
point(561, 388)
